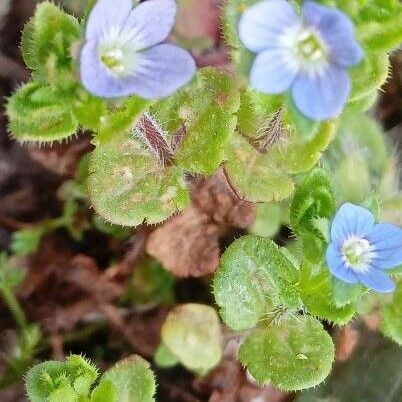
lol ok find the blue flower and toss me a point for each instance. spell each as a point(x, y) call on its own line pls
point(361, 250)
point(122, 54)
point(308, 54)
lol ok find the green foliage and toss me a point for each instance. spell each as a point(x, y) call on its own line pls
point(261, 162)
point(371, 374)
point(150, 285)
point(268, 220)
point(391, 317)
point(206, 110)
point(254, 176)
point(133, 380)
point(47, 44)
point(120, 119)
point(319, 298)
point(50, 380)
point(254, 278)
point(344, 293)
point(37, 112)
point(312, 206)
point(130, 380)
point(27, 241)
point(294, 354)
point(192, 333)
point(164, 357)
point(127, 185)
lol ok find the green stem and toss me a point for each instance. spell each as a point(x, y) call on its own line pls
point(14, 306)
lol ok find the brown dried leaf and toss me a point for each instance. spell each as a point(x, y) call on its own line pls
point(214, 197)
point(346, 342)
point(187, 245)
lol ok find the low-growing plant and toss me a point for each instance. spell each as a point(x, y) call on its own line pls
point(304, 74)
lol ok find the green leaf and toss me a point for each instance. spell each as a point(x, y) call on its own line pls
point(26, 241)
point(371, 374)
point(369, 75)
point(150, 285)
point(241, 57)
point(128, 185)
point(53, 381)
point(47, 43)
point(38, 113)
point(253, 174)
point(164, 357)
point(385, 34)
point(192, 333)
point(40, 380)
point(312, 206)
point(89, 110)
point(267, 221)
point(104, 392)
point(254, 276)
point(317, 295)
point(299, 154)
point(295, 354)
point(205, 110)
point(133, 380)
point(359, 134)
point(65, 394)
point(120, 119)
point(345, 293)
point(391, 317)
point(86, 373)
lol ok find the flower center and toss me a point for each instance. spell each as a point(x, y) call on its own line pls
point(113, 60)
point(357, 253)
point(311, 50)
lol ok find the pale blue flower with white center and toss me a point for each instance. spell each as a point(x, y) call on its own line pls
point(307, 54)
point(361, 251)
point(123, 54)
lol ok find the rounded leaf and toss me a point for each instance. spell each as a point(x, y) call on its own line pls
point(133, 380)
point(192, 333)
point(254, 277)
point(128, 185)
point(295, 354)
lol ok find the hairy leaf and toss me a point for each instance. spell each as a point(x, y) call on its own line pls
point(133, 380)
point(192, 333)
point(254, 277)
point(294, 354)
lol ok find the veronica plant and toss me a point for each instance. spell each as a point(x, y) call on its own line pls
point(122, 54)
point(308, 53)
point(304, 72)
point(77, 379)
point(361, 250)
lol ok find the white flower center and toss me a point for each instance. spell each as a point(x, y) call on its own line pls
point(311, 50)
point(307, 49)
point(357, 253)
point(119, 54)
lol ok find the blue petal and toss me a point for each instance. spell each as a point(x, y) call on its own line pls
point(95, 77)
point(262, 25)
point(337, 266)
point(149, 23)
point(164, 69)
point(337, 31)
point(160, 71)
point(351, 220)
point(106, 15)
point(321, 96)
point(377, 280)
point(387, 242)
point(273, 71)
